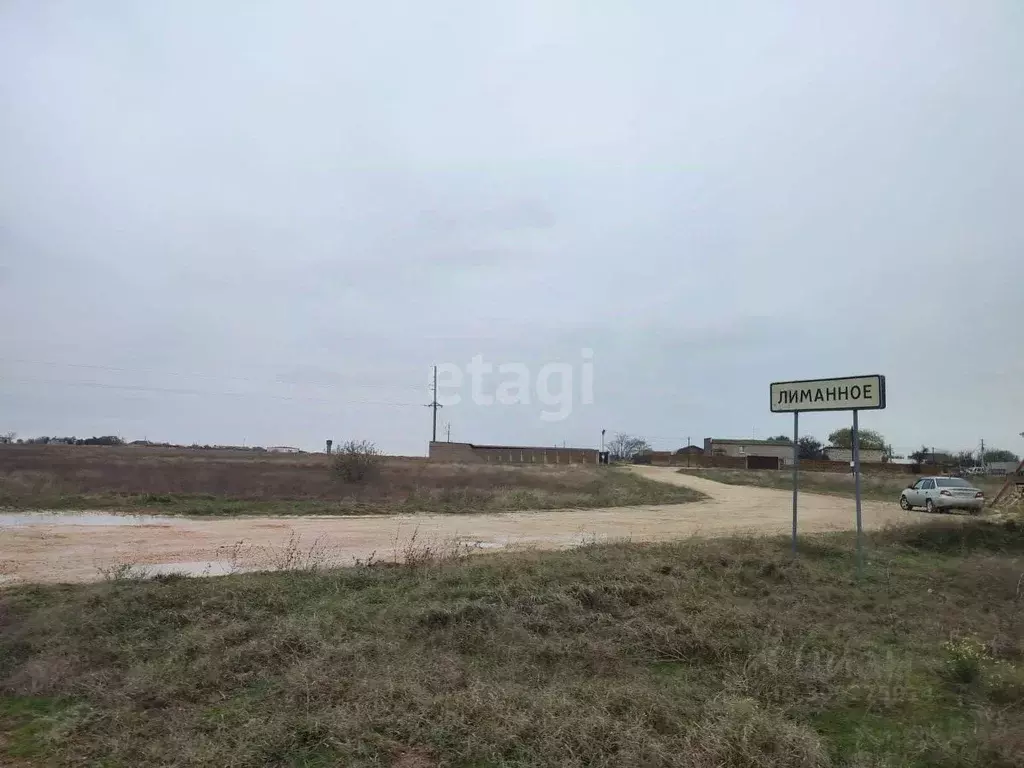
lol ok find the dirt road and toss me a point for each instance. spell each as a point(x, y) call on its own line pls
point(48, 549)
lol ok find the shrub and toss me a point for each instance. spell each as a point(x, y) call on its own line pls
point(965, 660)
point(357, 461)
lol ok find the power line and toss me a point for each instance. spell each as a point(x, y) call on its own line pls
point(199, 375)
point(183, 391)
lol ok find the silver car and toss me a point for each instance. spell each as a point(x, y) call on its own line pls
point(941, 493)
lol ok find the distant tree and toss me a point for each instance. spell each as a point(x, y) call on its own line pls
point(624, 447)
point(926, 455)
point(779, 439)
point(965, 459)
point(869, 439)
point(8, 437)
point(102, 440)
point(921, 454)
point(356, 461)
point(54, 440)
point(999, 454)
point(809, 448)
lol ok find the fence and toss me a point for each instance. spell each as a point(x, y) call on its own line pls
point(506, 454)
point(666, 458)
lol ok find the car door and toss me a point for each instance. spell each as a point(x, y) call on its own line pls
point(927, 491)
point(913, 494)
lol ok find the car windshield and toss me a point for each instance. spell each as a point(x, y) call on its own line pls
point(952, 482)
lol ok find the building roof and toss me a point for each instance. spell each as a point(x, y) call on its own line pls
point(747, 442)
point(516, 447)
point(850, 448)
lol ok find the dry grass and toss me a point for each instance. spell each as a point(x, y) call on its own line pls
point(211, 482)
point(706, 654)
point(874, 487)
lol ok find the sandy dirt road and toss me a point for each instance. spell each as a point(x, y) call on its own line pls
point(50, 550)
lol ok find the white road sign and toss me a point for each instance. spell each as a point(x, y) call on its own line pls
point(848, 393)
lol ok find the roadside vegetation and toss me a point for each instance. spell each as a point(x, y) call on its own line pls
point(705, 653)
point(357, 482)
point(873, 487)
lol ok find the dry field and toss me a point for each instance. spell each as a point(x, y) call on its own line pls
point(198, 482)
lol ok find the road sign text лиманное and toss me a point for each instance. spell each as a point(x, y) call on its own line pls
point(844, 394)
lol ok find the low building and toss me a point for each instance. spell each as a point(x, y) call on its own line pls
point(867, 455)
point(777, 454)
point(1002, 467)
point(510, 454)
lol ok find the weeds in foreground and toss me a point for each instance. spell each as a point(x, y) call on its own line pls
point(123, 572)
point(294, 555)
point(418, 552)
point(723, 653)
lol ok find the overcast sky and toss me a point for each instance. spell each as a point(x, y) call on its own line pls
point(264, 222)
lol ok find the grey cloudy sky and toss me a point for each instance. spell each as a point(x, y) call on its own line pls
point(263, 222)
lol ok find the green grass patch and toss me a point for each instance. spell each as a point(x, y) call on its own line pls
point(723, 652)
point(30, 724)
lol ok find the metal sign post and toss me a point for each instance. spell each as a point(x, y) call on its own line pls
point(856, 485)
point(796, 469)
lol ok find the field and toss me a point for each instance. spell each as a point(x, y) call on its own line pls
point(705, 653)
point(232, 482)
point(874, 487)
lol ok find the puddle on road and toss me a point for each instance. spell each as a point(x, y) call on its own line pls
point(19, 519)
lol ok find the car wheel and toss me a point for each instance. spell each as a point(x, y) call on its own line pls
point(904, 504)
point(929, 506)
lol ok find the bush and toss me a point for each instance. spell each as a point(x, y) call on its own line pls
point(357, 461)
point(965, 660)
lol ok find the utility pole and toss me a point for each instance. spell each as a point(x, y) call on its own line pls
point(687, 450)
point(448, 428)
point(435, 405)
point(982, 457)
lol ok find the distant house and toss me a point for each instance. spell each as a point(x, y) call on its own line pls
point(718, 446)
point(690, 450)
point(1001, 467)
point(870, 455)
point(283, 449)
